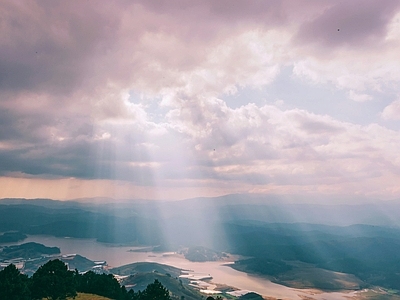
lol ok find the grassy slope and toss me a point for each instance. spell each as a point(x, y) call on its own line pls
point(307, 276)
point(303, 275)
point(82, 296)
point(146, 267)
point(376, 295)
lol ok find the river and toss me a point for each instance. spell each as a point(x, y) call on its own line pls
point(116, 255)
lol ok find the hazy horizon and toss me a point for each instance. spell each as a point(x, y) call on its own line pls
point(176, 99)
point(250, 198)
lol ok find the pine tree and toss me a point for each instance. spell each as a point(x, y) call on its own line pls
point(100, 284)
point(155, 291)
point(53, 281)
point(13, 284)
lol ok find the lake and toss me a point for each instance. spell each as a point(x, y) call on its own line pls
point(119, 255)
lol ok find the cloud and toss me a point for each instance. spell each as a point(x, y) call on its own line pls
point(93, 48)
point(53, 47)
point(265, 145)
point(138, 92)
point(359, 97)
point(392, 111)
point(353, 24)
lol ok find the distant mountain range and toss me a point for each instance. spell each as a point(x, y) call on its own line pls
point(271, 209)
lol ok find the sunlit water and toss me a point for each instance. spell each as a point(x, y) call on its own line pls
point(221, 273)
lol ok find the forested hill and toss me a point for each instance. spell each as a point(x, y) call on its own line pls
point(77, 222)
point(54, 281)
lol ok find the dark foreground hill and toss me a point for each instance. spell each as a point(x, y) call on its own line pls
point(54, 281)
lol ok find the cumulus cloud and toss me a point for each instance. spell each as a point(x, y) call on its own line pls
point(392, 111)
point(265, 145)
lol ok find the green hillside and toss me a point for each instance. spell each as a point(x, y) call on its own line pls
point(176, 287)
point(83, 296)
point(146, 267)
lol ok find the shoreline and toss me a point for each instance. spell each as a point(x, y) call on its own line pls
point(309, 293)
point(221, 271)
point(306, 293)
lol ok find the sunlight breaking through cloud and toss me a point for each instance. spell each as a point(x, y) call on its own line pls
point(144, 104)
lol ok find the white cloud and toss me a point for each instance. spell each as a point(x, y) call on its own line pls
point(393, 32)
point(392, 111)
point(359, 97)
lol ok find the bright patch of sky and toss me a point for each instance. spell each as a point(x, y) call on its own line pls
point(155, 112)
point(288, 91)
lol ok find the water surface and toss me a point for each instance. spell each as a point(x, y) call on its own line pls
point(117, 255)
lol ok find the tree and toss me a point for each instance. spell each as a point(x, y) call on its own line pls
point(100, 284)
point(251, 296)
point(53, 281)
point(155, 291)
point(13, 284)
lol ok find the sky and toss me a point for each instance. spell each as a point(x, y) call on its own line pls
point(176, 99)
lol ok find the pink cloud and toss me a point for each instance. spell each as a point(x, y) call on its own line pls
point(357, 23)
point(392, 111)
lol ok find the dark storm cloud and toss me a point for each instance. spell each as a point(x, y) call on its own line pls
point(80, 159)
point(48, 161)
point(47, 46)
point(59, 47)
